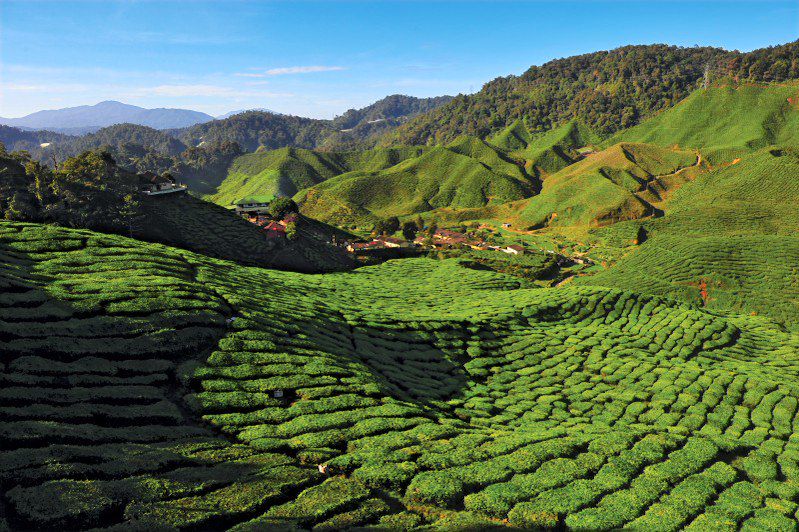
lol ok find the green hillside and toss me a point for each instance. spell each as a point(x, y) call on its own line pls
point(616, 184)
point(436, 395)
point(724, 122)
point(733, 229)
point(467, 173)
point(607, 90)
point(288, 170)
point(549, 151)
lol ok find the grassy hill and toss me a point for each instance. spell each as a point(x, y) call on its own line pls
point(732, 230)
point(436, 395)
point(287, 170)
point(545, 152)
point(619, 183)
point(623, 182)
point(466, 173)
point(724, 122)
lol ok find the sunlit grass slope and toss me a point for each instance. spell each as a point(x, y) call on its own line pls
point(286, 171)
point(724, 122)
point(467, 173)
point(545, 152)
point(733, 229)
point(621, 182)
point(437, 395)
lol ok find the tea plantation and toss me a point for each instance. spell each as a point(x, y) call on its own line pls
point(437, 396)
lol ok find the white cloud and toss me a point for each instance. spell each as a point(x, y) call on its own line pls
point(303, 70)
point(250, 75)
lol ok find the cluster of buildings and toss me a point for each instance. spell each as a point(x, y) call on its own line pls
point(273, 228)
point(381, 242)
point(440, 239)
point(445, 238)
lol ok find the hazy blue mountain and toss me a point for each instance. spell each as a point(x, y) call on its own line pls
point(87, 118)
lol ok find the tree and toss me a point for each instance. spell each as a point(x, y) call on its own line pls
point(291, 231)
point(281, 207)
point(388, 226)
point(129, 212)
point(409, 230)
point(19, 208)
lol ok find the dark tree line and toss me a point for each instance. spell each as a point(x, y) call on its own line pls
point(89, 191)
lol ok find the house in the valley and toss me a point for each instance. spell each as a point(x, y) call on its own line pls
point(514, 249)
point(391, 242)
point(274, 229)
point(355, 247)
point(152, 184)
point(251, 206)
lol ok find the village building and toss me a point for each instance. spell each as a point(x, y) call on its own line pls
point(391, 242)
point(152, 184)
point(274, 230)
point(251, 206)
point(447, 238)
point(514, 249)
point(354, 247)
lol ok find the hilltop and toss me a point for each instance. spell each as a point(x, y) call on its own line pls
point(92, 191)
point(355, 128)
point(608, 90)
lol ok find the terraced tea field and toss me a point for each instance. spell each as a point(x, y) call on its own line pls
point(436, 396)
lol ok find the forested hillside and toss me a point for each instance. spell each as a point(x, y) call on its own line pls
point(355, 128)
point(608, 91)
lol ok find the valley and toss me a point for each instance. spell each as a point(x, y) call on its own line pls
point(567, 301)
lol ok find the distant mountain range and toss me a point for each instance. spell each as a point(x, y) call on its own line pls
point(89, 118)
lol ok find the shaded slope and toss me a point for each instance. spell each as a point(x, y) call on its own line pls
point(435, 394)
point(184, 221)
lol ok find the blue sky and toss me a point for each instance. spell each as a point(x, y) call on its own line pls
point(319, 59)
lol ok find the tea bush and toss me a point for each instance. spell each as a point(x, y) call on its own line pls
point(429, 393)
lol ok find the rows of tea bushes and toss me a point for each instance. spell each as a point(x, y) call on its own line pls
point(148, 387)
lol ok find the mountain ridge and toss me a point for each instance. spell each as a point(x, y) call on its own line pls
point(104, 114)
